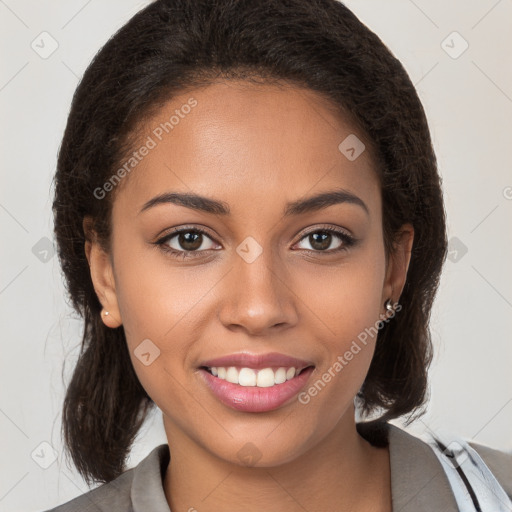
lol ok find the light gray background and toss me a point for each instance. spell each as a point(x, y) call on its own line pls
point(468, 100)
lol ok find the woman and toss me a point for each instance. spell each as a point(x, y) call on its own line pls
point(250, 220)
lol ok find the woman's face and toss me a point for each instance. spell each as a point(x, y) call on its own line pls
point(264, 277)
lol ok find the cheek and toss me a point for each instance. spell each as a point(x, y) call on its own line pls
point(348, 302)
point(346, 298)
point(155, 296)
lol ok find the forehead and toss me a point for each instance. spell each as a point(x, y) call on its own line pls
point(235, 140)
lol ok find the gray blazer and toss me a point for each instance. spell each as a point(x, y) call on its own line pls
point(418, 481)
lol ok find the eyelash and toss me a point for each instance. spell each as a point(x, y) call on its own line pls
point(348, 241)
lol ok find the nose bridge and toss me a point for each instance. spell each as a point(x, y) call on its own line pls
point(258, 297)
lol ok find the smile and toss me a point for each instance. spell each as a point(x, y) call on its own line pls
point(248, 390)
point(262, 378)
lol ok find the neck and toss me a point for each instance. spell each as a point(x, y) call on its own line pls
point(342, 472)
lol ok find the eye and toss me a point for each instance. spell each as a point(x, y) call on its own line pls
point(321, 239)
point(182, 243)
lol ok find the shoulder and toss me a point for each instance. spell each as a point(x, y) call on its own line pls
point(133, 490)
point(418, 481)
point(487, 471)
point(425, 478)
point(499, 462)
point(111, 496)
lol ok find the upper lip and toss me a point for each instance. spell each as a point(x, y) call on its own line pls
point(257, 361)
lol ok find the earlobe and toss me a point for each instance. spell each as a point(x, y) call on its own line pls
point(109, 320)
point(102, 276)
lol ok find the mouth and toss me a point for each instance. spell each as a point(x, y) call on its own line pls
point(252, 377)
point(255, 390)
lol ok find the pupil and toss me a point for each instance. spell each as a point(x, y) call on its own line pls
point(189, 243)
point(324, 244)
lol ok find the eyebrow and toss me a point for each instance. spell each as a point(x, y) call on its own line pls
point(298, 207)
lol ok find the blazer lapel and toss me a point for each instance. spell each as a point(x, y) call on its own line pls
point(418, 481)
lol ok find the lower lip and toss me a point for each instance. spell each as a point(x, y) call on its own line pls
point(253, 398)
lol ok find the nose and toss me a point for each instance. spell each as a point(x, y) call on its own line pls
point(258, 297)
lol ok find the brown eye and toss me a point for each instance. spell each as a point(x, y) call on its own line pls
point(185, 242)
point(321, 240)
point(190, 240)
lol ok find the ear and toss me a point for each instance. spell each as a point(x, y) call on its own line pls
point(102, 275)
point(398, 264)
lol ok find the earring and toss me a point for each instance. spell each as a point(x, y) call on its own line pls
point(388, 305)
point(106, 313)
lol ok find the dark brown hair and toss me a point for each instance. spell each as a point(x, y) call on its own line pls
point(173, 45)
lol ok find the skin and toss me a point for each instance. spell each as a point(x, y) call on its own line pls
point(254, 147)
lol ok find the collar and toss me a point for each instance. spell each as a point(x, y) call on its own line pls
point(147, 490)
point(418, 481)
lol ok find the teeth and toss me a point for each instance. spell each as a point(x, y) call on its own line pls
point(290, 373)
point(280, 376)
point(263, 378)
point(247, 377)
point(266, 377)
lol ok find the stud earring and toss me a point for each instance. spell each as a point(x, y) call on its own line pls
point(388, 305)
point(106, 313)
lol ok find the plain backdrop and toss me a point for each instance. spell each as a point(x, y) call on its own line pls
point(465, 82)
